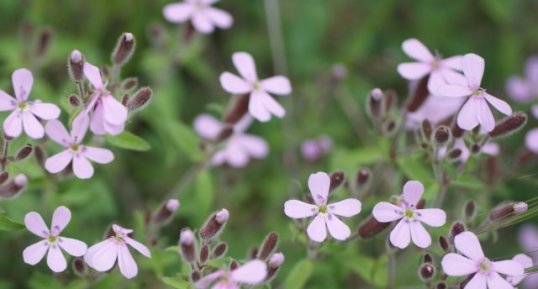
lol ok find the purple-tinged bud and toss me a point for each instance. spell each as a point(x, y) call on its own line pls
point(233, 265)
point(214, 225)
point(14, 187)
point(40, 155)
point(237, 110)
point(507, 210)
point(456, 229)
point(165, 212)
point(443, 243)
point(509, 125)
point(363, 179)
point(106, 72)
point(204, 254)
point(520, 208)
point(371, 227)
point(75, 64)
point(74, 100)
point(24, 152)
point(44, 39)
point(418, 95)
point(253, 253)
point(337, 178)
point(129, 83)
point(195, 276)
point(475, 148)
point(427, 258)
point(454, 154)
point(457, 131)
point(222, 216)
point(187, 245)
point(220, 250)
point(3, 177)
point(140, 99)
point(376, 104)
point(79, 267)
point(124, 49)
point(442, 135)
point(427, 129)
point(389, 126)
point(268, 245)
point(426, 272)
point(470, 210)
point(273, 265)
point(441, 285)
point(125, 99)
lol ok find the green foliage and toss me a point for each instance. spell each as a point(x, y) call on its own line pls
point(129, 141)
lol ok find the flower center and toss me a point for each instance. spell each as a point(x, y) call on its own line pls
point(200, 5)
point(409, 213)
point(322, 209)
point(23, 105)
point(436, 64)
point(256, 86)
point(485, 266)
point(53, 239)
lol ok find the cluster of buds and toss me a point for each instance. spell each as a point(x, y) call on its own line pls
point(379, 106)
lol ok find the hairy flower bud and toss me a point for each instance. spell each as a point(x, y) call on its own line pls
point(3, 177)
point(124, 49)
point(442, 135)
point(427, 129)
point(79, 267)
point(427, 258)
point(456, 229)
point(509, 125)
point(204, 254)
point(454, 154)
point(268, 245)
point(75, 64)
point(507, 210)
point(195, 275)
point(441, 285)
point(470, 210)
point(237, 110)
point(443, 243)
point(44, 39)
point(371, 227)
point(220, 250)
point(140, 99)
point(129, 83)
point(457, 131)
point(74, 100)
point(165, 211)
point(426, 272)
point(187, 245)
point(274, 264)
point(214, 225)
point(24, 152)
point(376, 104)
point(337, 178)
point(14, 187)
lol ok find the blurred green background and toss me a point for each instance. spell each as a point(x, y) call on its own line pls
point(364, 36)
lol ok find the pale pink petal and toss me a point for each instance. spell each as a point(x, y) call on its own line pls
point(7, 102)
point(467, 243)
point(412, 192)
point(317, 230)
point(468, 115)
point(46, 111)
point(416, 50)
point(473, 68)
point(82, 168)
point(22, 83)
point(528, 234)
point(113, 129)
point(337, 228)
point(478, 282)
point(499, 104)
point(491, 149)
point(98, 155)
point(457, 265)
point(93, 75)
point(97, 120)
point(419, 235)
point(201, 22)
point(452, 77)
point(386, 212)
point(35, 224)
point(32, 126)
point(252, 272)
point(103, 255)
point(270, 104)
point(534, 110)
point(55, 259)
point(525, 262)
point(219, 158)
point(319, 184)
point(257, 108)
point(454, 62)
point(243, 124)
point(277, 85)
point(59, 161)
point(138, 246)
point(207, 126)
point(113, 111)
point(234, 84)
point(485, 116)
point(299, 210)
point(56, 131)
point(531, 69)
point(244, 63)
point(178, 12)
point(413, 70)
point(80, 127)
point(219, 17)
point(508, 267)
point(235, 156)
point(255, 146)
point(495, 281)
point(518, 89)
point(450, 90)
point(127, 264)
point(72, 246)
point(435, 81)
point(60, 219)
point(431, 217)
point(400, 236)
point(35, 252)
point(345, 208)
point(13, 124)
point(206, 281)
point(531, 142)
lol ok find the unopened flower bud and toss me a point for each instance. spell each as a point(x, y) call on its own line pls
point(14, 187)
point(233, 265)
point(253, 253)
point(220, 250)
point(76, 65)
point(442, 135)
point(222, 216)
point(520, 207)
point(3, 177)
point(441, 285)
point(237, 110)
point(362, 180)
point(129, 83)
point(418, 95)
point(74, 100)
point(195, 276)
point(43, 42)
point(187, 245)
point(509, 125)
point(40, 155)
point(504, 211)
point(79, 267)
point(165, 211)
point(454, 154)
point(426, 272)
point(24, 152)
point(427, 129)
point(475, 148)
point(337, 178)
point(456, 229)
point(443, 243)
point(389, 126)
point(268, 245)
point(427, 258)
point(214, 225)
point(371, 227)
point(457, 131)
point(470, 210)
point(204, 254)
point(124, 49)
point(375, 107)
point(273, 265)
point(421, 204)
point(140, 99)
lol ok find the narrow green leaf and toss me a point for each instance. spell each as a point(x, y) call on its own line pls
point(6, 224)
point(127, 140)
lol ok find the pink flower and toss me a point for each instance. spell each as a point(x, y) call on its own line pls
point(261, 105)
point(203, 16)
point(531, 140)
point(476, 110)
point(409, 227)
point(238, 148)
point(489, 148)
point(102, 256)
point(441, 71)
point(108, 115)
point(528, 238)
point(251, 273)
point(473, 261)
point(435, 109)
point(325, 214)
point(525, 89)
point(74, 151)
point(525, 262)
point(314, 149)
point(24, 112)
point(52, 241)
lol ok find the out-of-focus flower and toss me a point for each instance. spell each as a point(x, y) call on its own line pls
point(325, 214)
point(108, 115)
point(435, 109)
point(473, 261)
point(74, 151)
point(251, 273)
point(102, 256)
point(531, 140)
point(528, 238)
point(524, 89)
point(261, 105)
point(441, 71)
point(476, 110)
point(52, 241)
point(409, 227)
point(203, 16)
point(525, 262)
point(24, 112)
point(239, 148)
point(313, 149)
point(489, 148)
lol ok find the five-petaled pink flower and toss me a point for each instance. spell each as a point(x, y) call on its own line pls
point(528, 238)
point(476, 110)
point(261, 105)
point(441, 71)
point(74, 151)
point(325, 214)
point(409, 227)
point(24, 112)
point(525, 262)
point(251, 273)
point(525, 89)
point(108, 115)
point(202, 15)
point(52, 241)
point(313, 149)
point(102, 256)
point(472, 261)
point(238, 148)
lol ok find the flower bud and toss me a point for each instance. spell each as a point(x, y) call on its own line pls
point(124, 49)
point(214, 225)
point(43, 42)
point(268, 245)
point(421, 204)
point(371, 227)
point(274, 264)
point(195, 275)
point(14, 187)
point(507, 210)
point(233, 265)
point(475, 148)
point(187, 245)
point(457, 131)
point(79, 267)
point(520, 208)
point(427, 258)
point(204, 254)
point(40, 155)
point(456, 229)
point(129, 83)
point(509, 125)
point(426, 272)
point(220, 250)
point(443, 243)
point(237, 110)
point(140, 99)
point(253, 253)
point(166, 211)
point(74, 101)
point(24, 152)
point(441, 285)
point(76, 65)
point(418, 95)
point(454, 154)
point(337, 178)
point(470, 210)
point(427, 129)
point(442, 135)
point(389, 126)
point(375, 107)
point(3, 177)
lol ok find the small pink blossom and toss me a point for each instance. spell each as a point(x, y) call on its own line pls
point(24, 111)
point(325, 214)
point(489, 148)
point(528, 238)
point(203, 16)
point(531, 140)
point(435, 109)
point(239, 148)
point(261, 105)
point(525, 89)
point(108, 115)
point(313, 149)
point(52, 242)
point(74, 151)
point(251, 273)
point(472, 261)
point(531, 280)
point(441, 71)
point(102, 256)
point(476, 110)
point(410, 225)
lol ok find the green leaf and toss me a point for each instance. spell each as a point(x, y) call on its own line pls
point(185, 139)
point(177, 282)
point(6, 224)
point(127, 140)
point(299, 274)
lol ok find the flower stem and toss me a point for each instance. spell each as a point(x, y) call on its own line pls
point(391, 268)
point(5, 149)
